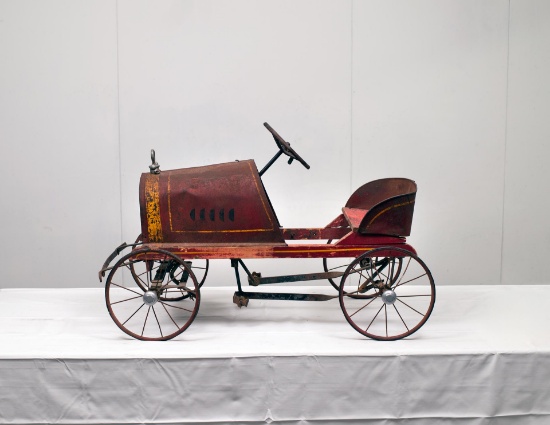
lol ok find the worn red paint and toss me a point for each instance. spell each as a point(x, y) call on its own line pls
point(223, 211)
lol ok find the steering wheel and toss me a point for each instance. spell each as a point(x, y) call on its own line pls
point(285, 148)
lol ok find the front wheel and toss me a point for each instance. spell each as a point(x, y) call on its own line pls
point(390, 302)
point(156, 308)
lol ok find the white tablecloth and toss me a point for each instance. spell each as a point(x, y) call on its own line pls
point(482, 358)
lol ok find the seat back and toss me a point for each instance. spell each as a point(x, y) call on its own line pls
point(388, 206)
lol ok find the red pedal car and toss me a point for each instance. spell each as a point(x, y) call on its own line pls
point(192, 215)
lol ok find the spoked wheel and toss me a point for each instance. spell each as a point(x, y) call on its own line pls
point(157, 309)
point(340, 264)
point(199, 268)
point(387, 293)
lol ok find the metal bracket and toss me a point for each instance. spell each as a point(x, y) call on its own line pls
point(254, 279)
point(240, 300)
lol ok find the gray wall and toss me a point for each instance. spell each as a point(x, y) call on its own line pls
point(454, 94)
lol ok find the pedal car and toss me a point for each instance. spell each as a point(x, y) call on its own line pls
point(193, 215)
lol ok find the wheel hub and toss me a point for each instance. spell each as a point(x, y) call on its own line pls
point(150, 298)
point(389, 297)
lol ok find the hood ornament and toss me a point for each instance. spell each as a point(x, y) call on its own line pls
point(154, 167)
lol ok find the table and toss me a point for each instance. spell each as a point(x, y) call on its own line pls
point(482, 358)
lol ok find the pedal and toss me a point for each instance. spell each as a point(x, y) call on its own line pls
point(163, 268)
point(173, 269)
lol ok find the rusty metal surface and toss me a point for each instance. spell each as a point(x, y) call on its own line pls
point(384, 207)
point(223, 203)
point(270, 251)
point(353, 238)
point(282, 296)
point(256, 278)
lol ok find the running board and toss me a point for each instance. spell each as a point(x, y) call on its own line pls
point(256, 279)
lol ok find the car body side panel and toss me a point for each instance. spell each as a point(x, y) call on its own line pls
point(222, 203)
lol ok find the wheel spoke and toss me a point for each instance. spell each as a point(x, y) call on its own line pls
point(363, 306)
point(405, 272)
point(127, 299)
point(337, 267)
point(177, 275)
point(145, 322)
point(138, 309)
point(128, 267)
point(399, 314)
point(169, 315)
point(366, 330)
point(173, 306)
point(158, 323)
point(373, 274)
point(357, 292)
point(410, 307)
point(410, 280)
point(142, 273)
point(386, 314)
point(359, 271)
point(128, 289)
point(362, 275)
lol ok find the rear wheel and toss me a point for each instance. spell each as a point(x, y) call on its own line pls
point(387, 293)
point(157, 309)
